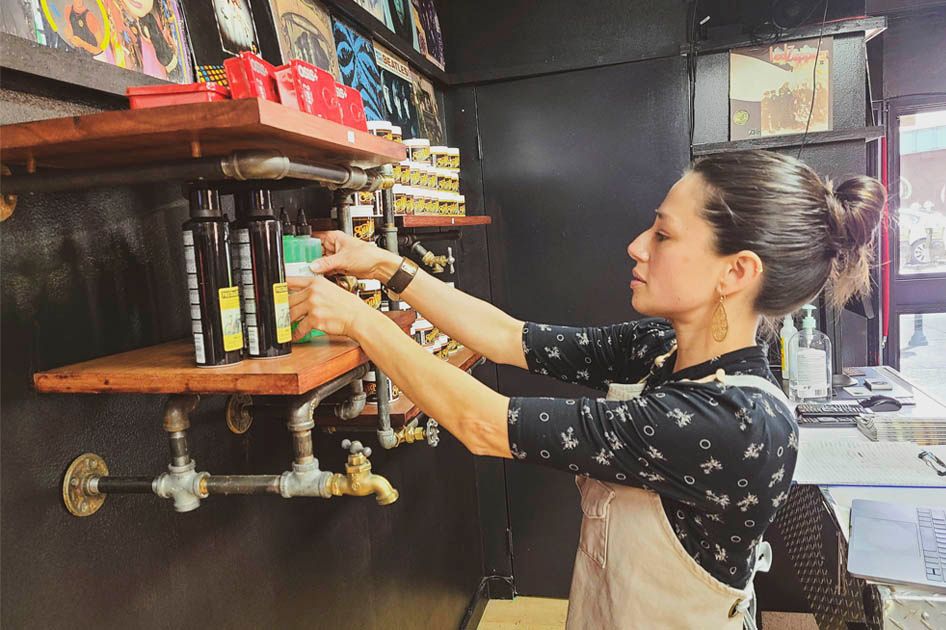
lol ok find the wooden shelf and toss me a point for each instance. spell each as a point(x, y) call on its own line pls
point(169, 369)
point(791, 140)
point(402, 410)
point(419, 220)
point(180, 132)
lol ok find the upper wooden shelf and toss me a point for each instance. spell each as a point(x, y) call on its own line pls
point(402, 410)
point(420, 220)
point(169, 369)
point(180, 132)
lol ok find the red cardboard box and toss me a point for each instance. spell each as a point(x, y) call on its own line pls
point(251, 76)
point(161, 95)
point(307, 88)
point(351, 106)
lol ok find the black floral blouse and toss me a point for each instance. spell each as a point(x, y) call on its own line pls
point(720, 457)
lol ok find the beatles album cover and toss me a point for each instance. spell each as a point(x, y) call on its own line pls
point(147, 36)
point(304, 31)
point(429, 37)
point(357, 67)
point(428, 113)
point(397, 92)
point(770, 89)
point(399, 19)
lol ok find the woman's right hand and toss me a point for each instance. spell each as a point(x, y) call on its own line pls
point(347, 255)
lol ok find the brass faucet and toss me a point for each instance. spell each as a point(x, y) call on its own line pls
point(410, 433)
point(358, 480)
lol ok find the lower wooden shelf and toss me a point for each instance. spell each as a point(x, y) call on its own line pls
point(169, 368)
point(402, 410)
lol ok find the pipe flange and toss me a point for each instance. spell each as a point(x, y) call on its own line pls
point(239, 413)
point(75, 485)
point(7, 202)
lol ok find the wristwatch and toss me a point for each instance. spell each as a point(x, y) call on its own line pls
point(401, 278)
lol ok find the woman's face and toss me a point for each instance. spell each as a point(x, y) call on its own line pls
point(677, 271)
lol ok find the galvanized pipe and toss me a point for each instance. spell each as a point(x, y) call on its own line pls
point(180, 454)
point(242, 484)
point(241, 166)
point(121, 485)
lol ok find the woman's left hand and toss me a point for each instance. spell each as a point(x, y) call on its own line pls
point(319, 304)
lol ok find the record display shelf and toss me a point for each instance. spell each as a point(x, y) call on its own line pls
point(169, 368)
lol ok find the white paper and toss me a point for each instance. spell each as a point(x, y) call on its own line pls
point(856, 463)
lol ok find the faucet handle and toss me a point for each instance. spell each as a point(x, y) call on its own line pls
point(355, 447)
point(451, 260)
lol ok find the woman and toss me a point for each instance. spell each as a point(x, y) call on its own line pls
point(681, 473)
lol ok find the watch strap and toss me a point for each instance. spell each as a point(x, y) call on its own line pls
point(406, 272)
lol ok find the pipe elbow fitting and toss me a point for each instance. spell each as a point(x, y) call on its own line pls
point(184, 486)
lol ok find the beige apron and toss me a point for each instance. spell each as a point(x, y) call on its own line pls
point(631, 570)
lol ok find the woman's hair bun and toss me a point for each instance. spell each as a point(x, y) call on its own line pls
point(855, 208)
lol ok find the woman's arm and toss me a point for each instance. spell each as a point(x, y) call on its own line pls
point(472, 412)
point(476, 324)
point(469, 410)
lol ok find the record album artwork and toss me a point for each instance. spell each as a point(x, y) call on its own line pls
point(358, 68)
point(376, 8)
point(304, 31)
point(397, 92)
point(771, 90)
point(147, 36)
point(22, 18)
point(430, 39)
point(428, 113)
point(399, 18)
point(235, 26)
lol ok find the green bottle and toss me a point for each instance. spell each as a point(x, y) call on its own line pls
point(299, 253)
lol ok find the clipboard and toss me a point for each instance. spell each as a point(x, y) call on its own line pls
point(875, 464)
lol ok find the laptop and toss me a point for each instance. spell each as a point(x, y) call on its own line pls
point(898, 544)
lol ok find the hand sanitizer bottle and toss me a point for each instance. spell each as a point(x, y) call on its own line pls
point(809, 356)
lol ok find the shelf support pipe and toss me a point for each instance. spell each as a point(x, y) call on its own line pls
point(386, 435)
point(240, 165)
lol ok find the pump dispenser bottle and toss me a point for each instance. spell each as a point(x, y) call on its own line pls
point(809, 353)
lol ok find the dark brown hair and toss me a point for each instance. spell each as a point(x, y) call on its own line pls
point(807, 232)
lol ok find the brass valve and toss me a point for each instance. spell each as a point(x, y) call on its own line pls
point(436, 263)
point(358, 479)
point(410, 433)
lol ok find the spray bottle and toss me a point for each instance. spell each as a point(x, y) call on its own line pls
point(809, 354)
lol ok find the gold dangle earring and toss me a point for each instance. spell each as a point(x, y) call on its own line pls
point(720, 326)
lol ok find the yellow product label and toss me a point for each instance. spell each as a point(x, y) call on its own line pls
point(420, 155)
point(367, 198)
point(781, 347)
point(230, 318)
point(372, 299)
point(461, 210)
point(400, 204)
point(415, 177)
point(433, 181)
point(281, 304)
point(444, 161)
point(364, 229)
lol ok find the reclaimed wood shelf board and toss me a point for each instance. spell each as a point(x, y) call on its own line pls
point(402, 409)
point(169, 368)
point(181, 132)
point(419, 220)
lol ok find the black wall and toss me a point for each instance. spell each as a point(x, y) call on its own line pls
point(84, 275)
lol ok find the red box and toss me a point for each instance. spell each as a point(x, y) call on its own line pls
point(307, 88)
point(161, 95)
point(251, 76)
point(351, 106)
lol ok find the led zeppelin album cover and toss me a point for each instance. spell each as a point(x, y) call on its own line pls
point(147, 36)
point(770, 89)
point(397, 92)
point(304, 31)
point(357, 67)
point(428, 113)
